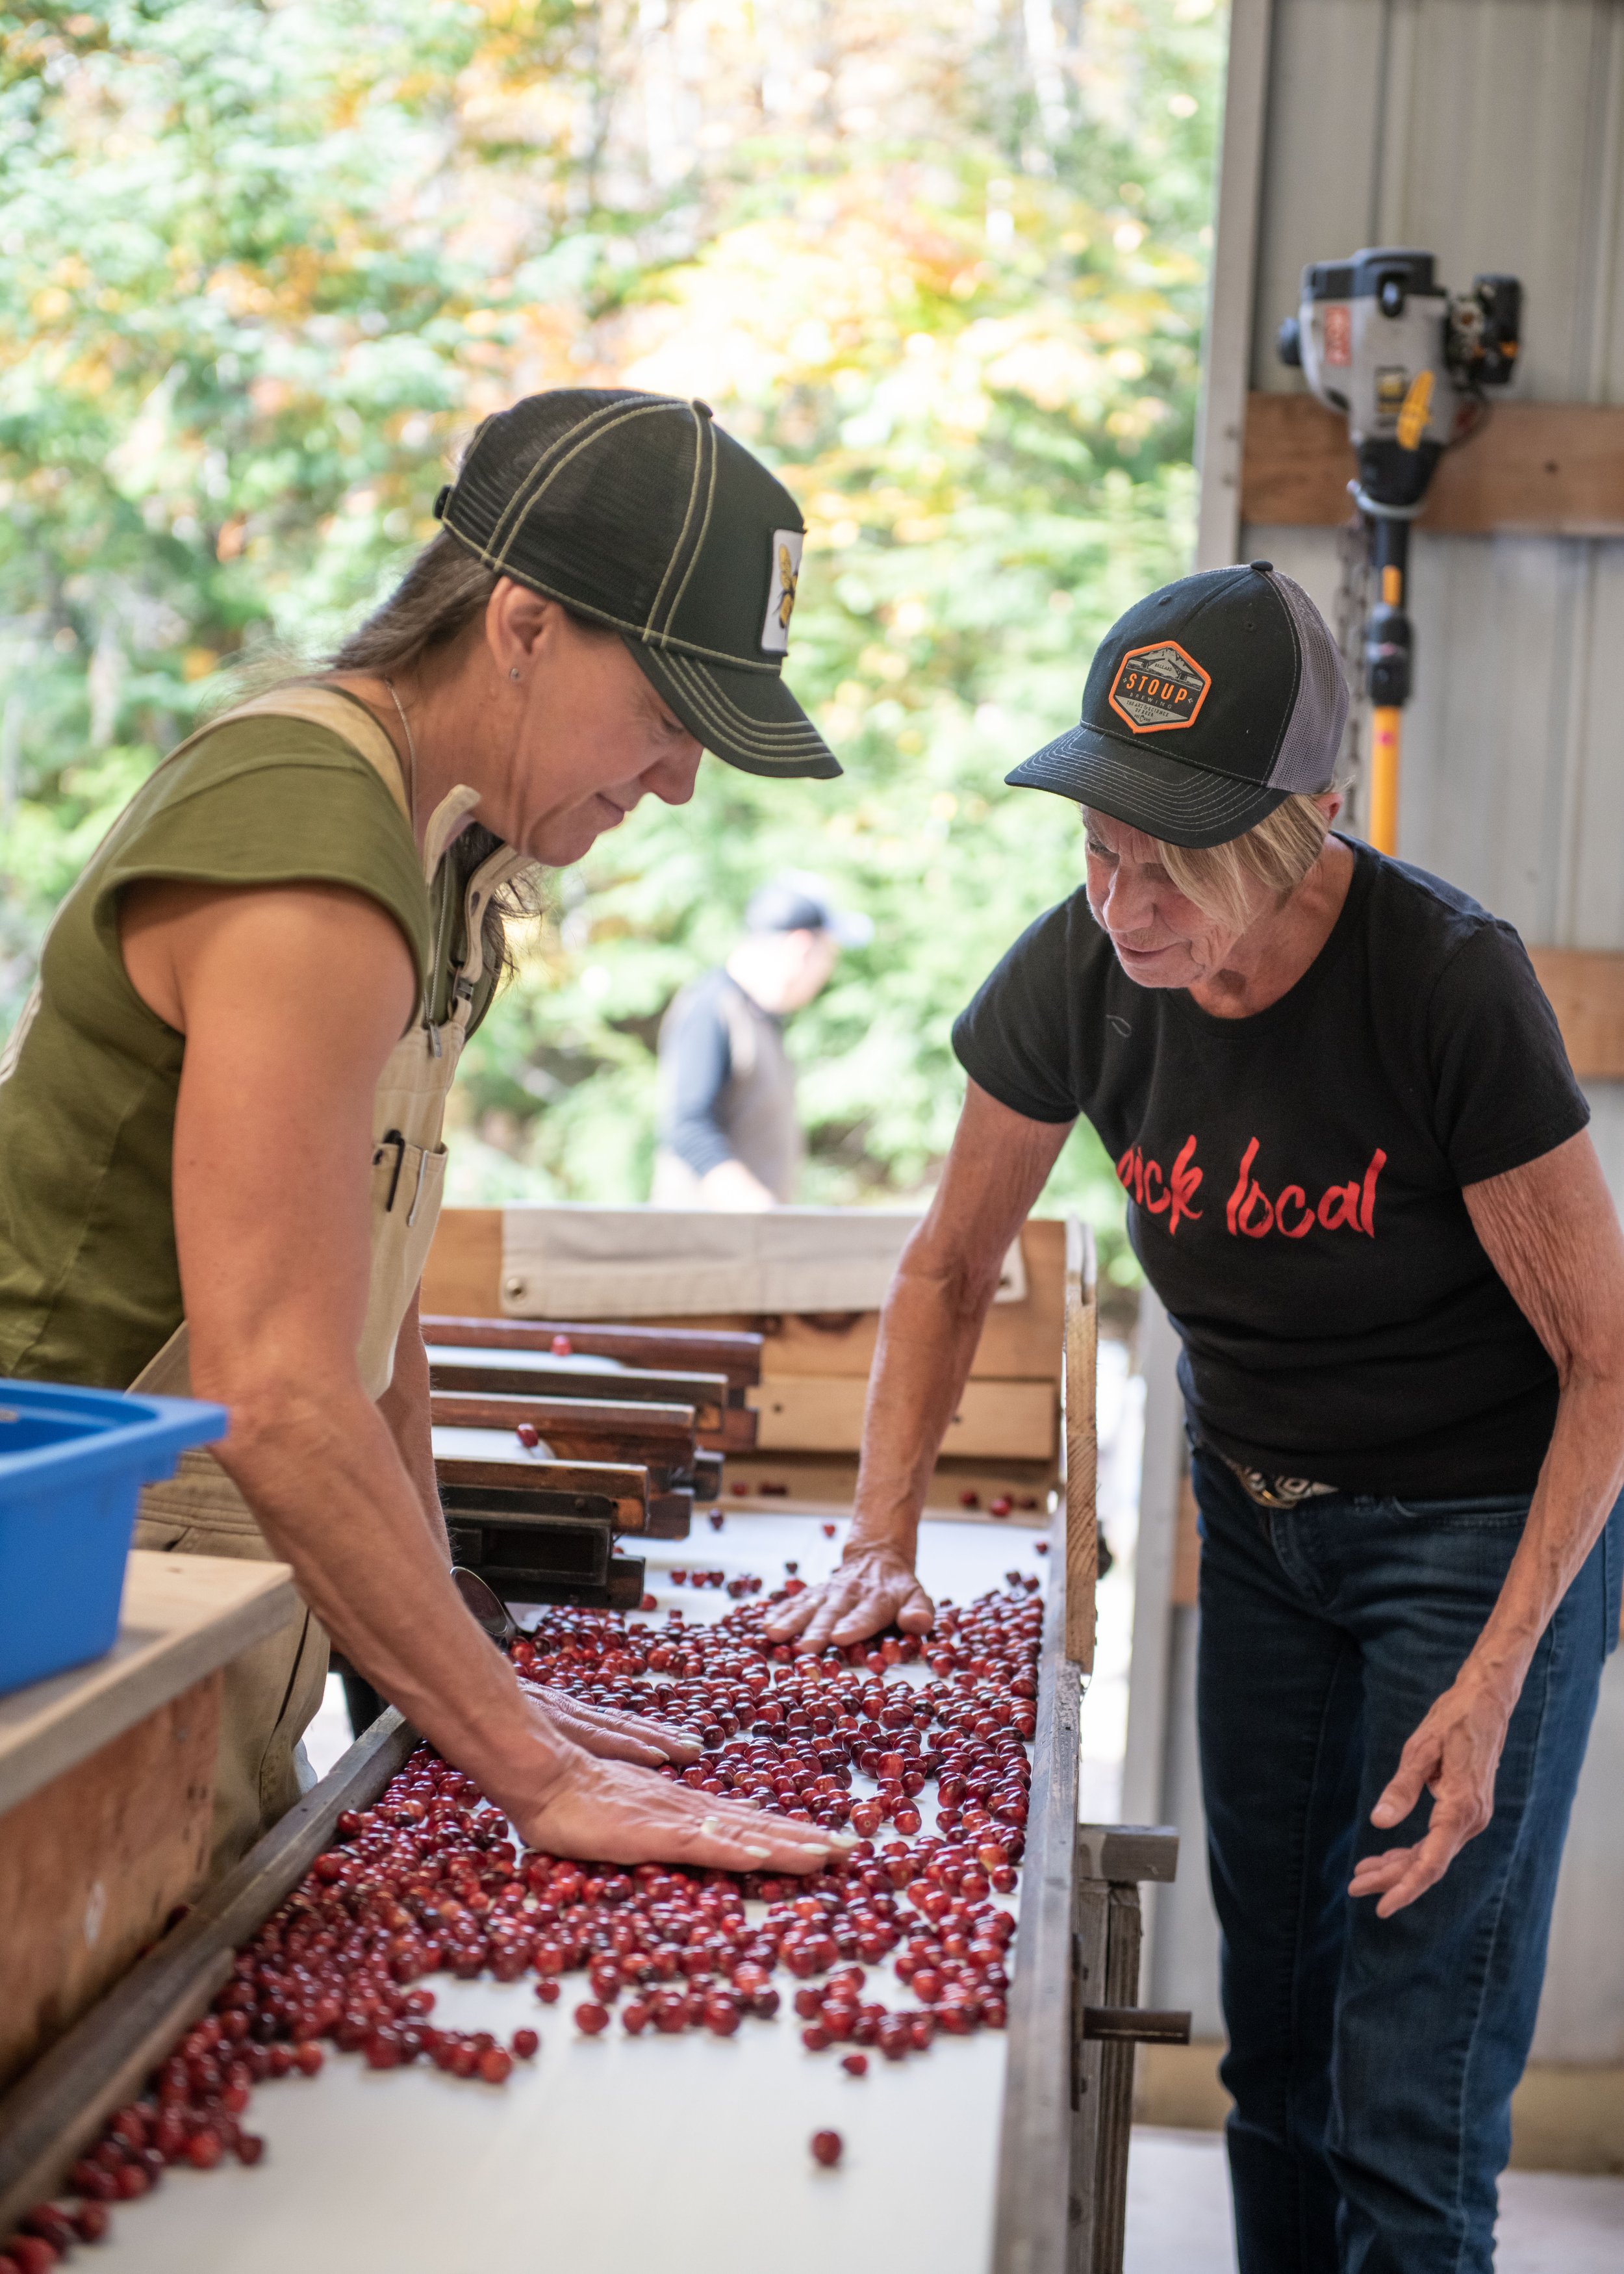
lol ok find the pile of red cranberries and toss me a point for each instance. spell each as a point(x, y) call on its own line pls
point(428, 1881)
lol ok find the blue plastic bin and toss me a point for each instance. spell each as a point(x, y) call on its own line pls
point(72, 1463)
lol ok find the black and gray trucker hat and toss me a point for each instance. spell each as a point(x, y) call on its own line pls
point(638, 512)
point(1207, 705)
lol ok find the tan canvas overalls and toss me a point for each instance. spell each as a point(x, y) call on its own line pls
point(272, 1692)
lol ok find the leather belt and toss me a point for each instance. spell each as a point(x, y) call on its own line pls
point(1274, 1492)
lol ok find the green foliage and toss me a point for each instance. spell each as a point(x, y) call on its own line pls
point(262, 268)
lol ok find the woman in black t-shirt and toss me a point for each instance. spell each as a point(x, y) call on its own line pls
point(1358, 1179)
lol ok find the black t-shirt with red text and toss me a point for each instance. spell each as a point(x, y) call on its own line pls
point(1294, 1178)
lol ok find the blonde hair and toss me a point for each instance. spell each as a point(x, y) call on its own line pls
point(1223, 880)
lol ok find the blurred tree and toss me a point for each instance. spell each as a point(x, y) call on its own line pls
point(263, 266)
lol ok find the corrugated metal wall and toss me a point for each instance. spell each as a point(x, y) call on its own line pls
point(1491, 132)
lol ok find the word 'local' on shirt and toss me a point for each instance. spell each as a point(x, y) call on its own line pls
point(1249, 1209)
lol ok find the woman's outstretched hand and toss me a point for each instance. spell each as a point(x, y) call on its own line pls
point(1455, 1756)
point(611, 1812)
point(873, 1587)
point(612, 1736)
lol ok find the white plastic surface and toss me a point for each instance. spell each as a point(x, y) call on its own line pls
point(683, 2155)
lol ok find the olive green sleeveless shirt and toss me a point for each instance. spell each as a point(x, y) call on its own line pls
point(90, 1282)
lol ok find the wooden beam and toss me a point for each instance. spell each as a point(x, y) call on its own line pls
point(1082, 1536)
point(471, 1372)
point(995, 1420)
point(1533, 469)
point(1046, 2130)
point(1586, 988)
point(183, 1616)
point(691, 1349)
point(615, 1487)
point(658, 1438)
point(92, 1865)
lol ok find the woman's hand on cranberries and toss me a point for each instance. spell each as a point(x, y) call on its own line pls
point(609, 1736)
point(873, 1587)
point(609, 1812)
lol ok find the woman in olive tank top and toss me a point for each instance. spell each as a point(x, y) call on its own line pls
point(220, 1155)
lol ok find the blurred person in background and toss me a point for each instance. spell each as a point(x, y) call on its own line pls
point(729, 1133)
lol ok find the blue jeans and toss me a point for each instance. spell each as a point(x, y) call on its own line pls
point(1371, 2061)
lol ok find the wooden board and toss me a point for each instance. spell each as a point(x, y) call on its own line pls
point(1534, 469)
point(664, 1349)
point(1082, 1537)
point(824, 1484)
point(996, 1421)
point(464, 1275)
point(504, 1373)
point(182, 1617)
point(1586, 988)
point(478, 1456)
point(659, 1438)
point(1186, 1590)
point(1019, 1341)
point(1042, 2130)
point(92, 1863)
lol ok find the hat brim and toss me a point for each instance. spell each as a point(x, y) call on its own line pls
point(748, 717)
point(1165, 797)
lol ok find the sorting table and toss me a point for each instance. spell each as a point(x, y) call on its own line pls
point(1001, 2150)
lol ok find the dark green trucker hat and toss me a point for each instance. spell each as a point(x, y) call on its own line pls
point(638, 512)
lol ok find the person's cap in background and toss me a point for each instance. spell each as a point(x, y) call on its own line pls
point(638, 512)
point(1208, 704)
point(796, 901)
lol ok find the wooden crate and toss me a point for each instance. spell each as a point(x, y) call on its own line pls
point(1003, 1444)
point(92, 1865)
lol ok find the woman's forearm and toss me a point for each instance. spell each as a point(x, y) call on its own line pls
point(929, 1327)
point(406, 1409)
point(1579, 1481)
point(322, 1472)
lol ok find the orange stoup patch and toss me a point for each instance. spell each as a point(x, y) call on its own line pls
point(1158, 688)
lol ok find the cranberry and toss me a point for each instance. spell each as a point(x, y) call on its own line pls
point(249, 2148)
point(826, 2147)
point(592, 2019)
point(91, 2221)
point(854, 2064)
point(528, 1434)
point(204, 2149)
point(31, 2254)
point(526, 2044)
point(547, 1990)
point(49, 2225)
point(495, 2065)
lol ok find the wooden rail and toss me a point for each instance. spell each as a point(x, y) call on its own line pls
point(1531, 469)
point(1082, 1534)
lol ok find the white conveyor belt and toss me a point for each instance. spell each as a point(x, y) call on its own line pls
point(683, 2155)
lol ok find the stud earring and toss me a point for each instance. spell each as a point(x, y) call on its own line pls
point(514, 672)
